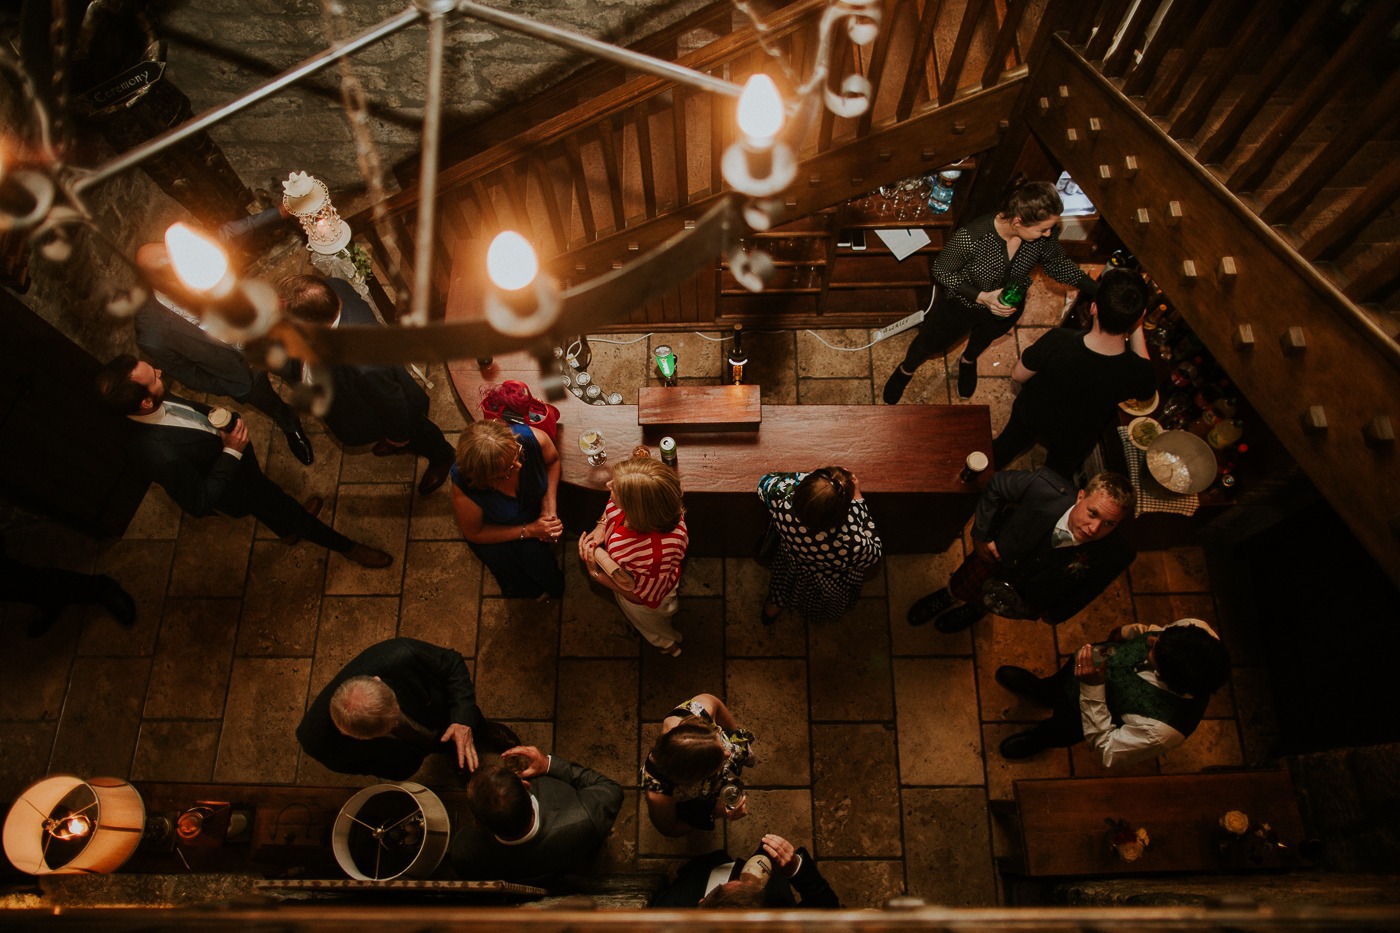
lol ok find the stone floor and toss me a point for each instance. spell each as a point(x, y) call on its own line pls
point(877, 740)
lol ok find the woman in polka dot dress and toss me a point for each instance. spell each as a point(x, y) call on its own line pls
point(976, 263)
point(828, 542)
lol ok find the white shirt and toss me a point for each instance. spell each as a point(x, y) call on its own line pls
point(1139, 737)
point(1063, 536)
point(175, 415)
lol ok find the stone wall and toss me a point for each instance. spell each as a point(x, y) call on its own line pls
point(220, 48)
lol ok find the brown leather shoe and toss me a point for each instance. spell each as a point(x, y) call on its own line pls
point(313, 505)
point(370, 557)
point(433, 477)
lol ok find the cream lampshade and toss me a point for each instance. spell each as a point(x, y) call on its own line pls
point(65, 825)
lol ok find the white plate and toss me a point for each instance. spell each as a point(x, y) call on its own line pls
point(1135, 410)
point(1142, 420)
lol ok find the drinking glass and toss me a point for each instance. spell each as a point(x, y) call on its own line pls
point(591, 443)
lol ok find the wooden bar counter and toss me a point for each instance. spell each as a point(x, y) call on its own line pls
point(906, 457)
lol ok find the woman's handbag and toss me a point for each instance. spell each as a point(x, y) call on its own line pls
point(512, 402)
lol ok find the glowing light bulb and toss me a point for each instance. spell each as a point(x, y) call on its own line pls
point(760, 110)
point(70, 827)
point(511, 262)
point(198, 261)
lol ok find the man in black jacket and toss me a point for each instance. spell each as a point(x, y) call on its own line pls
point(191, 349)
point(532, 827)
point(207, 470)
point(768, 878)
point(393, 705)
point(1041, 550)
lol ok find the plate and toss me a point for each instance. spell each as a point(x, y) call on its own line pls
point(1136, 424)
point(1139, 407)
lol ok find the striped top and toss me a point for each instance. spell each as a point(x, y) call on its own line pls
point(654, 559)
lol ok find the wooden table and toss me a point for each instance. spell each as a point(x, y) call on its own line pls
point(907, 458)
point(1063, 830)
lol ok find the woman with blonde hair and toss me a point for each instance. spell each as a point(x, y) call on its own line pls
point(504, 482)
point(643, 530)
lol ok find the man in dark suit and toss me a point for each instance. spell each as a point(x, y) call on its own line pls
point(534, 826)
point(393, 705)
point(769, 878)
point(189, 349)
point(1040, 550)
point(380, 405)
point(207, 470)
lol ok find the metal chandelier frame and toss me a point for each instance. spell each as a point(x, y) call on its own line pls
point(57, 191)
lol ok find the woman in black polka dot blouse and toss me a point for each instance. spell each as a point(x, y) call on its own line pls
point(827, 543)
point(979, 260)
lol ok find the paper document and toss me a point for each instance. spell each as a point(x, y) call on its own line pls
point(905, 241)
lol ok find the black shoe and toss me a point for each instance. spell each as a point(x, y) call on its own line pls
point(1024, 684)
point(895, 386)
point(967, 378)
point(959, 618)
point(300, 445)
point(1022, 745)
point(433, 477)
point(117, 601)
point(925, 608)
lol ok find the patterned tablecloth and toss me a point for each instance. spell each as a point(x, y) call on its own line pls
point(1152, 496)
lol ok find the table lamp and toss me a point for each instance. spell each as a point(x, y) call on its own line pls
point(65, 825)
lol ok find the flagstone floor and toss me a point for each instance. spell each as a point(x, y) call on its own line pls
point(877, 740)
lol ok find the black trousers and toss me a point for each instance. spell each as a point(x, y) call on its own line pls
point(1018, 436)
point(48, 586)
point(265, 399)
point(1064, 727)
point(260, 497)
point(950, 321)
point(428, 442)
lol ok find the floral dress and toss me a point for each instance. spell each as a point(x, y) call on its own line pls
point(695, 803)
point(819, 574)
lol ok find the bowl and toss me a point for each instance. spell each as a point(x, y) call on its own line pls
point(1181, 462)
point(1143, 431)
point(1140, 406)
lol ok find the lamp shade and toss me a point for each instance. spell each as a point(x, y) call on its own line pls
point(108, 811)
point(391, 831)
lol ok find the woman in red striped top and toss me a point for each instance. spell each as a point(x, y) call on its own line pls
point(643, 529)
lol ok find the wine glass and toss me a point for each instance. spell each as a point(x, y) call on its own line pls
point(592, 444)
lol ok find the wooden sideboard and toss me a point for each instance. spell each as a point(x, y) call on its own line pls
point(1063, 829)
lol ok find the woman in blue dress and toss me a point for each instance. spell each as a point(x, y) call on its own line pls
point(504, 483)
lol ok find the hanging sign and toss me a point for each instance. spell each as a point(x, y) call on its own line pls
point(122, 90)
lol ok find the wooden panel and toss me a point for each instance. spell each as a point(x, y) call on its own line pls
point(1194, 111)
point(1357, 478)
point(689, 407)
point(1210, 29)
point(1062, 821)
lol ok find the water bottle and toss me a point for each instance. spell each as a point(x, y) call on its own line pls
point(940, 199)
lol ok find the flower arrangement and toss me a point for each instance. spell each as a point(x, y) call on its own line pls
point(1127, 843)
point(1238, 835)
point(360, 258)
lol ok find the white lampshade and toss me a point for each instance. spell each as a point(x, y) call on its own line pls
point(112, 806)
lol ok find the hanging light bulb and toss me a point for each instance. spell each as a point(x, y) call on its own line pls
point(198, 260)
point(760, 111)
point(521, 302)
point(758, 164)
point(511, 261)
